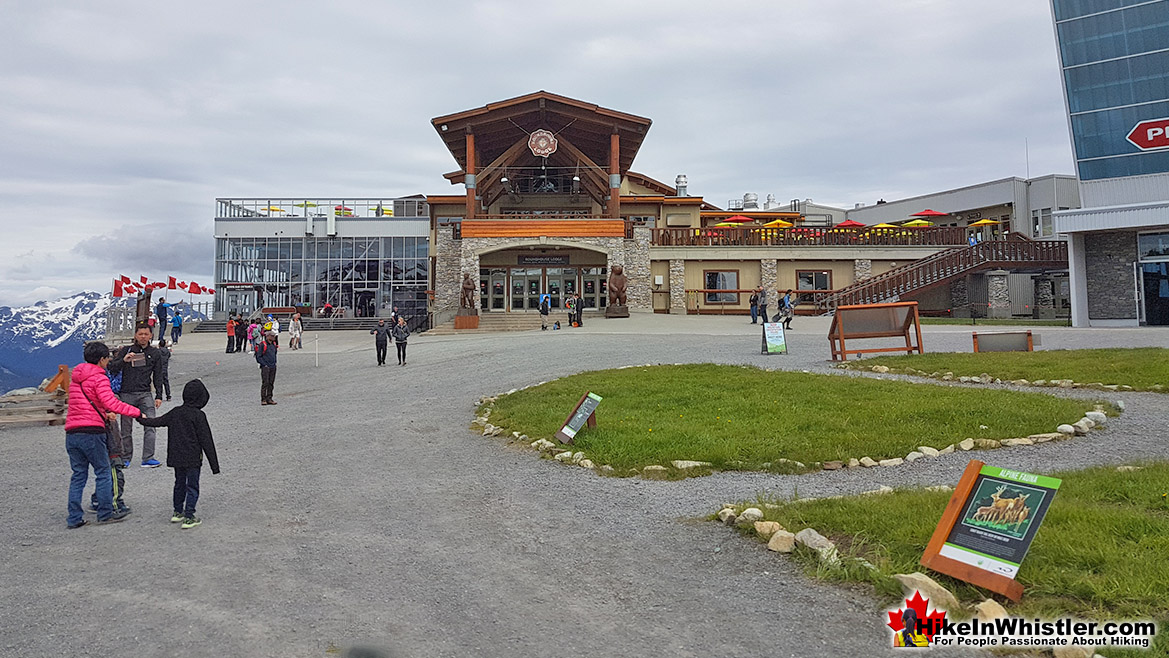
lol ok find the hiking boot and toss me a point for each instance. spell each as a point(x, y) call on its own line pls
point(190, 522)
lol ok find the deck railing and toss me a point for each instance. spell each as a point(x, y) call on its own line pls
point(808, 237)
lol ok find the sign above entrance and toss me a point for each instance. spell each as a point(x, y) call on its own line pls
point(1150, 135)
point(542, 143)
point(541, 260)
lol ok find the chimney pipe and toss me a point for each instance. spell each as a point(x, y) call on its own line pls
point(680, 183)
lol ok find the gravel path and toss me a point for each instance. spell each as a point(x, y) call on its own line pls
point(361, 509)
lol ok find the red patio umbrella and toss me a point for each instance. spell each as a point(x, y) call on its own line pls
point(848, 223)
point(930, 213)
point(738, 219)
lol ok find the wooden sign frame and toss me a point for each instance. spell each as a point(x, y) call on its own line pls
point(932, 558)
point(838, 333)
point(590, 422)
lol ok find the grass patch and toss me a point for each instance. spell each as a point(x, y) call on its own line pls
point(998, 322)
point(1101, 552)
point(745, 418)
point(1143, 368)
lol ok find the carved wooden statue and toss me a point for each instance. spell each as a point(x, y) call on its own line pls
point(617, 285)
point(468, 298)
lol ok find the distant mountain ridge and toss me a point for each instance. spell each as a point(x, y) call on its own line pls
point(35, 339)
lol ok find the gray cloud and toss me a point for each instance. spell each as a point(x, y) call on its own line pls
point(125, 114)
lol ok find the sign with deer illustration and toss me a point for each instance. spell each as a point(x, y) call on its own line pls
point(989, 525)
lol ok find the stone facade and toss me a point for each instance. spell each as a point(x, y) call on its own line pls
point(1109, 256)
point(447, 272)
point(960, 297)
point(998, 294)
point(1044, 306)
point(637, 268)
point(862, 268)
point(769, 276)
point(677, 286)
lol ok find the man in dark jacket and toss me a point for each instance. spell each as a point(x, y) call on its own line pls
point(188, 438)
point(266, 357)
point(241, 334)
point(401, 333)
point(381, 340)
point(544, 309)
point(141, 366)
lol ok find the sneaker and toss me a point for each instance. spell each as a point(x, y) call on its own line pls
point(116, 517)
point(178, 517)
point(151, 463)
point(74, 526)
point(190, 522)
point(271, 402)
point(124, 509)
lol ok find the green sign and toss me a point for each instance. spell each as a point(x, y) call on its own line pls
point(774, 340)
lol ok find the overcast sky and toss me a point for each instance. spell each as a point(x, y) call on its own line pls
point(121, 122)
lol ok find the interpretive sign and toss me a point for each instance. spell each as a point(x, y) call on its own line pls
point(584, 413)
point(774, 340)
point(988, 525)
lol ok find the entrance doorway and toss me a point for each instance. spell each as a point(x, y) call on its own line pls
point(1154, 282)
point(518, 289)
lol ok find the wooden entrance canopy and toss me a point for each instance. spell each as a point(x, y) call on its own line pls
point(596, 143)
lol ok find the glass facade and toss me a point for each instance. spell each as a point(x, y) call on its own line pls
point(1115, 59)
point(366, 276)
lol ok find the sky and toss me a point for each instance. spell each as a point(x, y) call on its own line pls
point(123, 121)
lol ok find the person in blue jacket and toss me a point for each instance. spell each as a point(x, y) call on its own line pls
point(266, 357)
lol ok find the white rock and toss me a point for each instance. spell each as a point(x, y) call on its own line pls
point(487, 429)
point(896, 461)
point(853, 462)
point(879, 491)
point(1045, 437)
point(927, 451)
point(1065, 383)
point(1017, 442)
point(1119, 404)
point(939, 596)
point(577, 457)
point(653, 469)
point(750, 515)
point(1125, 387)
point(1088, 422)
point(881, 369)
point(1066, 430)
point(1080, 427)
point(586, 463)
point(819, 543)
point(1039, 382)
point(523, 437)
point(966, 444)
point(989, 609)
point(983, 427)
point(940, 487)
point(515, 435)
point(1129, 469)
point(1096, 417)
point(947, 450)
point(497, 431)
point(728, 506)
point(782, 541)
point(867, 462)
point(765, 529)
point(727, 516)
point(914, 456)
point(683, 464)
point(564, 457)
point(606, 469)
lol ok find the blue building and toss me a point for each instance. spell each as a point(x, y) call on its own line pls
point(1114, 60)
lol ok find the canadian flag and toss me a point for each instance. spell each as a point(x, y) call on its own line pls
point(144, 280)
point(183, 285)
point(170, 283)
point(210, 291)
point(130, 289)
point(126, 280)
point(194, 289)
point(117, 287)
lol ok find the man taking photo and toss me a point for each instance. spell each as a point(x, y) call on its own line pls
point(141, 367)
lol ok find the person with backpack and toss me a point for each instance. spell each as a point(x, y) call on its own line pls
point(88, 437)
point(787, 308)
point(140, 365)
point(401, 333)
point(266, 357)
point(188, 438)
point(176, 327)
point(241, 334)
point(545, 308)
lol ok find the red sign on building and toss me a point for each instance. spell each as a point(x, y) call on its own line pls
point(1150, 135)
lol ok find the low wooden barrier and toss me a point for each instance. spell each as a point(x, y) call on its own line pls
point(894, 320)
point(1003, 341)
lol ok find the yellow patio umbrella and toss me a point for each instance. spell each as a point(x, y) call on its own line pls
point(274, 209)
point(726, 225)
point(917, 223)
point(984, 222)
point(778, 223)
point(883, 225)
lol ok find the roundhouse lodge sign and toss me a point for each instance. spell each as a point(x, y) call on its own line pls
point(542, 143)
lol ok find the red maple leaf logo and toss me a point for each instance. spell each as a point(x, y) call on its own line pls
point(928, 624)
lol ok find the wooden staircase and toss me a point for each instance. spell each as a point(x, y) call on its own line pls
point(1016, 252)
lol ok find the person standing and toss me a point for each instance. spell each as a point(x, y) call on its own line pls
point(266, 357)
point(241, 334)
point(141, 367)
point(401, 332)
point(579, 305)
point(165, 353)
point(570, 305)
point(188, 438)
point(763, 303)
point(91, 405)
point(545, 308)
point(755, 306)
point(275, 328)
point(295, 329)
point(230, 334)
point(787, 308)
point(176, 327)
point(161, 310)
point(381, 341)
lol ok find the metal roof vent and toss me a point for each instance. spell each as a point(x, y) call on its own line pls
point(750, 201)
point(680, 183)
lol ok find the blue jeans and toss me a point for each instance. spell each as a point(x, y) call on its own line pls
point(186, 490)
point(86, 450)
point(754, 314)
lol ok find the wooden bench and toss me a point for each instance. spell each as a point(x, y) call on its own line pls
point(893, 320)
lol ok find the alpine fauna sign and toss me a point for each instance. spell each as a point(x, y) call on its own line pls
point(1150, 135)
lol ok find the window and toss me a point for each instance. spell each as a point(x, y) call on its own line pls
point(814, 280)
point(1153, 246)
point(721, 280)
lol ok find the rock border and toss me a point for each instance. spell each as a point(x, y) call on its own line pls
point(985, 378)
point(1091, 420)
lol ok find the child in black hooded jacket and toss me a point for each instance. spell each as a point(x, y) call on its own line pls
point(188, 439)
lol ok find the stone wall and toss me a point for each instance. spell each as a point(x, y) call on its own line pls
point(640, 289)
point(1044, 306)
point(862, 268)
point(960, 297)
point(998, 294)
point(769, 276)
point(677, 286)
point(1108, 259)
point(447, 272)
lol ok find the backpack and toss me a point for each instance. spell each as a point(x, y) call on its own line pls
point(115, 381)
